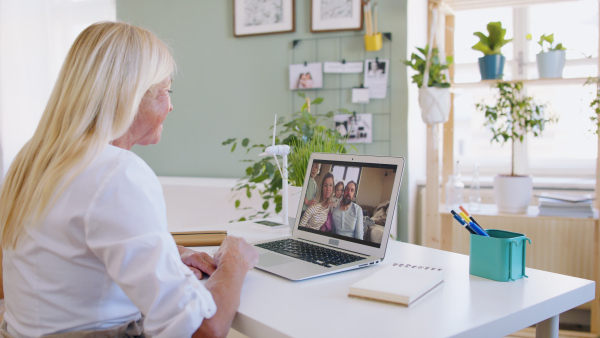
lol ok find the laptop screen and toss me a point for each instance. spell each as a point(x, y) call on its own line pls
point(348, 200)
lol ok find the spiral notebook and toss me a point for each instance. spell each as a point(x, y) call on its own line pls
point(398, 283)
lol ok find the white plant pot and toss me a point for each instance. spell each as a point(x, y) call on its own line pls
point(293, 203)
point(551, 64)
point(513, 193)
point(435, 104)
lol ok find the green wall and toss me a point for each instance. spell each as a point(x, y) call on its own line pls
point(232, 87)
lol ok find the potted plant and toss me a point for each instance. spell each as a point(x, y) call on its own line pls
point(305, 133)
point(434, 98)
point(595, 104)
point(491, 65)
point(510, 119)
point(550, 61)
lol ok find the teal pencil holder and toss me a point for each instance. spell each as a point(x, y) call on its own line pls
point(500, 257)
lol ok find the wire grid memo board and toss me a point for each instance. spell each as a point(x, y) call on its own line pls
point(337, 88)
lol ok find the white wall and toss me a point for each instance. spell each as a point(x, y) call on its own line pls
point(417, 131)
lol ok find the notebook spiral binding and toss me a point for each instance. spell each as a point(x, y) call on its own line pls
point(416, 267)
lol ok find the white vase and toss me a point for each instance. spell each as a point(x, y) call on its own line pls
point(513, 193)
point(293, 203)
point(550, 64)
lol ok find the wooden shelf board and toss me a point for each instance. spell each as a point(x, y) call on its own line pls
point(552, 81)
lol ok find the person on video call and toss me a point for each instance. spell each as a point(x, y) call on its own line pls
point(85, 242)
point(348, 217)
point(311, 190)
point(338, 195)
point(316, 215)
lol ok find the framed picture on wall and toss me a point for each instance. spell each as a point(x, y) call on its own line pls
point(257, 17)
point(335, 15)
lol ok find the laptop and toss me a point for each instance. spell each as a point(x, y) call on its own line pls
point(351, 231)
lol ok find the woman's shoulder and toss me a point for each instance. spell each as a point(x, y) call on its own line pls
point(114, 164)
point(122, 159)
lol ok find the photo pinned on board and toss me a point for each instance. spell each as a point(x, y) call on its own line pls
point(376, 77)
point(358, 127)
point(306, 76)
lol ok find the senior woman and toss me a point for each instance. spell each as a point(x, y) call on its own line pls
point(84, 233)
point(316, 215)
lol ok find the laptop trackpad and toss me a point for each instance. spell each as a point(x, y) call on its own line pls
point(268, 260)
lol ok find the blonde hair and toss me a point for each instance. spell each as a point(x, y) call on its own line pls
point(106, 73)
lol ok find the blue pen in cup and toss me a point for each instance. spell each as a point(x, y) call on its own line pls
point(470, 216)
point(478, 230)
point(462, 222)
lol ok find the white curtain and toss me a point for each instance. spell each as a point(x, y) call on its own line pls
point(35, 36)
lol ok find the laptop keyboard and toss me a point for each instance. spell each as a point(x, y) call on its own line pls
point(310, 253)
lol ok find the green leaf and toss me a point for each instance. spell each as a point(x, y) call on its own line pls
point(265, 205)
point(245, 142)
point(228, 141)
point(237, 203)
point(302, 95)
point(233, 147)
point(483, 47)
point(330, 114)
point(318, 100)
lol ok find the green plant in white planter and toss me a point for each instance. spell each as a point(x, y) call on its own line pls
point(512, 117)
point(491, 65)
point(434, 97)
point(304, 132)
point(551, 60)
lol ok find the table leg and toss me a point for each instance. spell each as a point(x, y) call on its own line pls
point(547, 328)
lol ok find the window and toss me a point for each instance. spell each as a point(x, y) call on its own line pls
point(346, 174)
point(34, 39)
point(566, 148)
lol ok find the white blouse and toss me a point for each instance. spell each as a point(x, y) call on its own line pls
point(103, 256)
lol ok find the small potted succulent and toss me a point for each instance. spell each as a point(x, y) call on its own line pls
point(511, 117)
point(434, 98)
point(491, 65)
point(551, 60)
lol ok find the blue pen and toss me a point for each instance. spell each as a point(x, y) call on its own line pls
point(478, 230)
point(463, 223)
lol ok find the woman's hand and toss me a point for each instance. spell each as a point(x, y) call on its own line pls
point(237, 250)
point(198, 262)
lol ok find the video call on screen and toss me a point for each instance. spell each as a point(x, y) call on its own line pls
point(348, 200)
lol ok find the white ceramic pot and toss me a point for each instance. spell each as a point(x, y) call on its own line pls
point(293, 203)
point(513, 193)
point(435, 104)
point(551, 64)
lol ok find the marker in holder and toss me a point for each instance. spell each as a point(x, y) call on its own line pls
point(500, 257)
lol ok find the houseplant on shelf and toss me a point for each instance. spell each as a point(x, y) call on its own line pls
point(305, 133)
point(510, 119)
point(434, 98)
point(491, 65)
point(595, 104)
point(550, 61)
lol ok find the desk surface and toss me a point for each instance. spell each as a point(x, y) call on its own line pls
point(464, 306)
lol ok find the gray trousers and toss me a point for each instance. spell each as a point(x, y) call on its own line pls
point(133, 329)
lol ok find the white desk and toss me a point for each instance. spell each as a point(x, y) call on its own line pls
point(464, 306)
